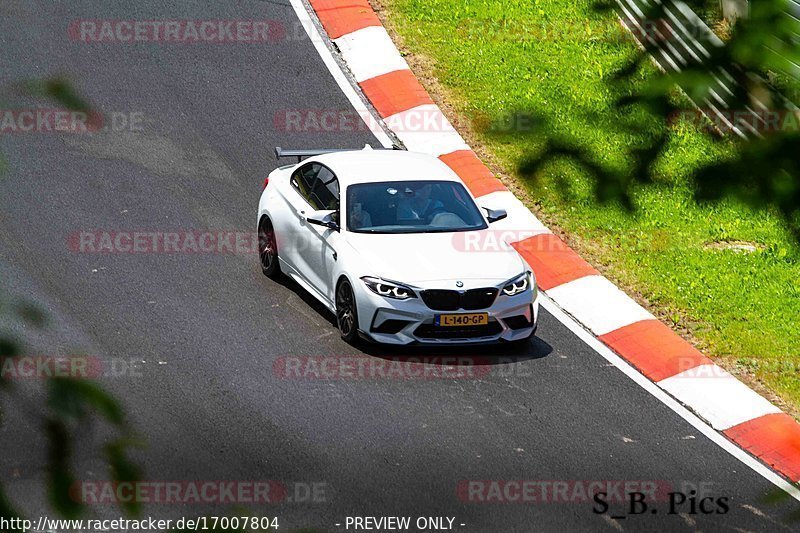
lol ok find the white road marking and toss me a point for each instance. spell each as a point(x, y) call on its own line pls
point(688, 519)
point(425, 129)
point(754, 510)
point(611, 522)
point(598, 304)
point(717, 396)
point(370, 53)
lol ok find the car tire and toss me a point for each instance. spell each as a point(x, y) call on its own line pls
point(346, 312)
point(268, 249)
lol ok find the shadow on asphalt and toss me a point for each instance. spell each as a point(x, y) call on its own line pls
point(291, 285)
point(476, 354)
point(483, 354)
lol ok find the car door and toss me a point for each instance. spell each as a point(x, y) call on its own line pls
point(289, 227)
point(320, 250)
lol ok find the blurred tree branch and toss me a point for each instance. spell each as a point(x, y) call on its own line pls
point(765, 170)
point(68, 403)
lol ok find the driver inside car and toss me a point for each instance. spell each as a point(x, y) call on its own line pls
point(417, 204)
point(359, 217)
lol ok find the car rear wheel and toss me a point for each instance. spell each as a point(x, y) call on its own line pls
point(268, 249)
point(346, 313)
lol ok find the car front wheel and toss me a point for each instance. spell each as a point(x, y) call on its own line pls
point(346, 313)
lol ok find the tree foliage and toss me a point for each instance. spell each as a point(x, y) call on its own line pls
point(70, 405)
point(765, 170)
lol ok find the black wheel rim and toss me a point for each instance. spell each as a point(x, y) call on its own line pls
point(266, 246)
point(344, 309)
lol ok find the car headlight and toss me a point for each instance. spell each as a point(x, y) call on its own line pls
point(518, 285)
point(388, 289)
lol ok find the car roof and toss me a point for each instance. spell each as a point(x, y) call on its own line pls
point(368, 165)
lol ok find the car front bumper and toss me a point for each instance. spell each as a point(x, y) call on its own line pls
point(390, 321)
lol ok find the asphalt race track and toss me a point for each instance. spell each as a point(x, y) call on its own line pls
point(204, 330)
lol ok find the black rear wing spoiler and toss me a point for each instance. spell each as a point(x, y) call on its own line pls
point(300, 154)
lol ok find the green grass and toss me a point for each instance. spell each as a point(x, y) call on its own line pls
point(495, 58)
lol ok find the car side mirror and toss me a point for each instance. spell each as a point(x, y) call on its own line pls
point(325, 218)
point(493, 215)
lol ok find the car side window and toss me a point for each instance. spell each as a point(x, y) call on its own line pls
point(317, 185)
point(325, 193)
point(303, 180)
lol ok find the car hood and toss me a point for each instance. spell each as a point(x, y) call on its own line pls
point(431, 259)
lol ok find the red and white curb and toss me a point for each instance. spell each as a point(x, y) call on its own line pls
point(614, 318)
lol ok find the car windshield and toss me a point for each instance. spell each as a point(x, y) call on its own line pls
point(411, 207)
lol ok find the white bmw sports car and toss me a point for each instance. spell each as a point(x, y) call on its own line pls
point(377, 237)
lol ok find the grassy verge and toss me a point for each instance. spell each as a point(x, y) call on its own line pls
point(725, 277)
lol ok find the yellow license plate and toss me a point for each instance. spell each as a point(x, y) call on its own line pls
point(466, 319)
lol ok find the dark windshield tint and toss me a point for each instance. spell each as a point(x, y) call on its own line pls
point(318, 185)
point(411, 207)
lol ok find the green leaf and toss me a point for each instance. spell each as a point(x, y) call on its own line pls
point(71, 398)
point(59, 474)
point(6, 509)
point(123, 470)
point(8, 347)
point(32, 314)
point(776, 496)
point(60, 90)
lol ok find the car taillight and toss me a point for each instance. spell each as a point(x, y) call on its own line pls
point(266, 182)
